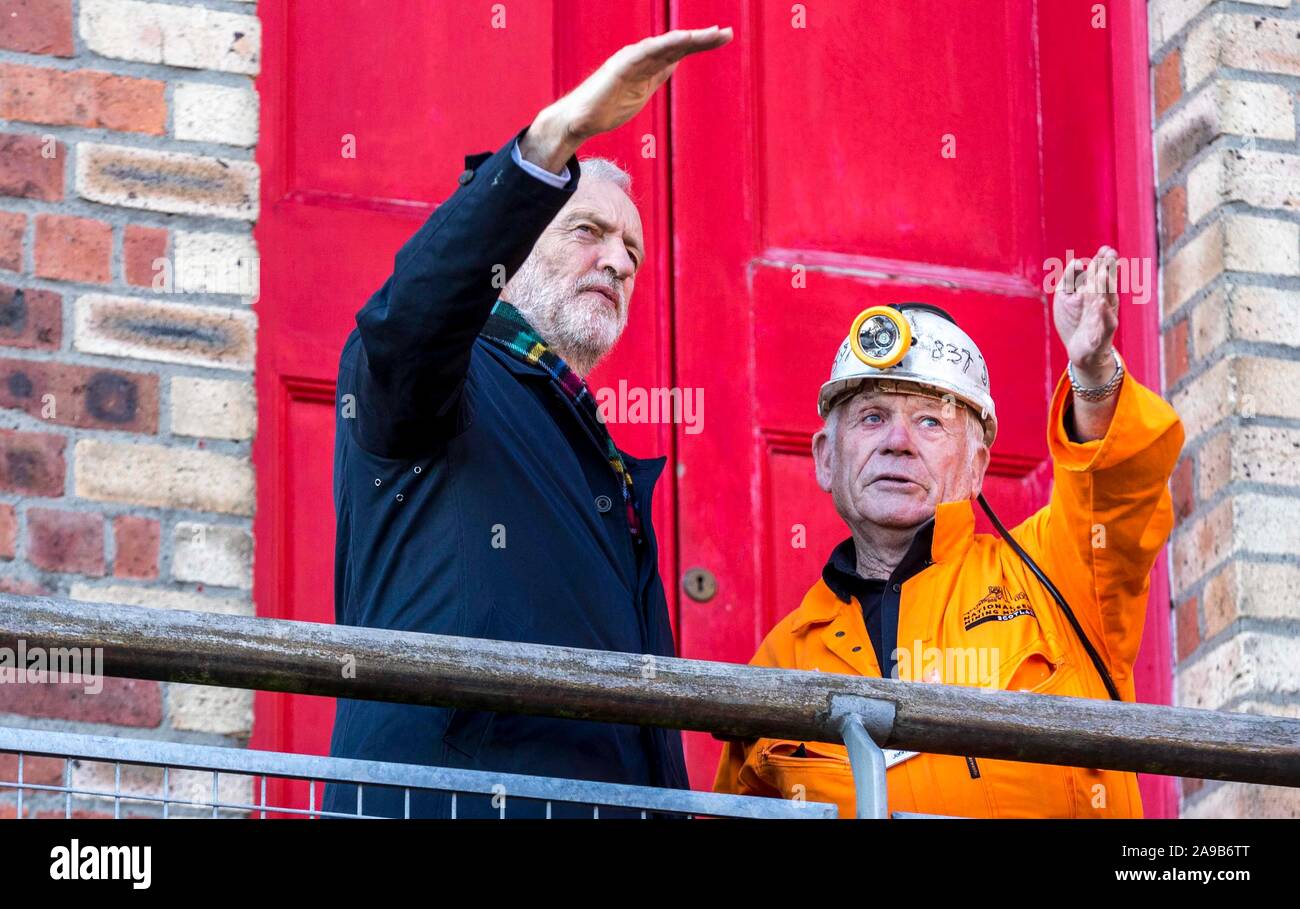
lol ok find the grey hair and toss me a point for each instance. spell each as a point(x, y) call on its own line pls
point(605, 169)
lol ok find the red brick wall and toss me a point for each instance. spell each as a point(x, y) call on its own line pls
point(126, 335)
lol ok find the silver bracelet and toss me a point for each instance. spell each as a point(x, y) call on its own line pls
point(1100, 392)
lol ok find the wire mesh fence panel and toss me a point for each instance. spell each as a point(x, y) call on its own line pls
point(49, 774)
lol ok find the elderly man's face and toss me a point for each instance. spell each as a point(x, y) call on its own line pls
point(576, 286)
point(892, 458)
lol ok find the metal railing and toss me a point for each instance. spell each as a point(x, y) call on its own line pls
point(728, 699)
point(207, 781)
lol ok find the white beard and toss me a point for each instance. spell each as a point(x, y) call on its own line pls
point(579, 328)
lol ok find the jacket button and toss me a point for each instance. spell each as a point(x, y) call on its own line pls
point(839, 634)
point(465, 177)
point(896, 588)
point(603, 504)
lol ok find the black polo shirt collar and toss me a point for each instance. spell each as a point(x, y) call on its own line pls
point(841, 570)
point(879, 600)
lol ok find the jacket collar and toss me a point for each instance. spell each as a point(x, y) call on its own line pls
point(512, 364)
point(645, 473)
point(954, 530)
point(644, 469)
point(944, 538)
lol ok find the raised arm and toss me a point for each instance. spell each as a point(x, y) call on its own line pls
point(1110, 510)
point(418, 330)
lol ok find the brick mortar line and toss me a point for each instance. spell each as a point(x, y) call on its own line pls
point(1258, 10)
point(21, 421)
point(91, 62)
point(1235, 629)
point(1269, 698)
point(1193, 447)
point(1241, 488)
point(1232, 350)
point(76, 289)
point(1226, 281)
point(1221, 141)
point(1193, 229)
point(221, 6)
point(161, 732)
point(1261, 627)
point(1232, 490)
point(119, 214)
point(70, 135)
point(117, 244)
point(1236, 74)
point(1243, 557)
point(1179, 38)
point(1219, 213)
point(165, 583)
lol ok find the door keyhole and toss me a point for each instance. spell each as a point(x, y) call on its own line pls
point(700, 584)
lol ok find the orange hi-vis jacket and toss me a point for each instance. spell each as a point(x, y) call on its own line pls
point(977, 616)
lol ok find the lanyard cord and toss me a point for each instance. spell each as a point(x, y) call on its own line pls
point(1056, 595)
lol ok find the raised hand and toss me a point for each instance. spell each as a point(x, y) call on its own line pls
point(1085, 309)
point(613, 94)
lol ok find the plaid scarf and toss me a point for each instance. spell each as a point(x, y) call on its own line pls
point(510, 331)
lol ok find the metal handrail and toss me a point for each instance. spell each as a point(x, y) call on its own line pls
point(723, 698)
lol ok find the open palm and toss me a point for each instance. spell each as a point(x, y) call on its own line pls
point(621, 87)
point(1085, 310)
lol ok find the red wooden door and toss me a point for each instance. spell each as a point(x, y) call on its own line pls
point(367, 113)
point(842, 155)
point(818, 147)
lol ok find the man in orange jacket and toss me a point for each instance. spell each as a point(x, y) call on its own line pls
point(908, 424)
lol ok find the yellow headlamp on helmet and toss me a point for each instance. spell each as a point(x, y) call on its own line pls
point(916, 348)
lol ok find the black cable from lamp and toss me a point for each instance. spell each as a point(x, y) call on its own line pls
point(1056, 595)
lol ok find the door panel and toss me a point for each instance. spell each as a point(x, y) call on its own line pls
point(813, 131)
point(921, 151)
point(367, 114)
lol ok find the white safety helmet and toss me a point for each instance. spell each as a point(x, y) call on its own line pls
point(911, 348)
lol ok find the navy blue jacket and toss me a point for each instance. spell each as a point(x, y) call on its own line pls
point(472, 501)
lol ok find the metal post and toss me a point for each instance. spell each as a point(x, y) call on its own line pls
point(854, 716)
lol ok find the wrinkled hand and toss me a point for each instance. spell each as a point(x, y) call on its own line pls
point(613, 94)
point(1085, 309)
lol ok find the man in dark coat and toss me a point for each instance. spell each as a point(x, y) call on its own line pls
point(477, 492)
